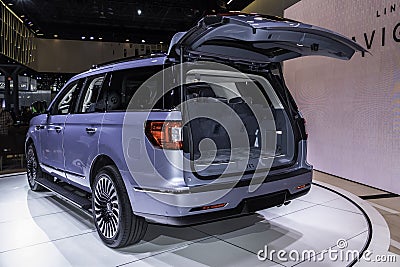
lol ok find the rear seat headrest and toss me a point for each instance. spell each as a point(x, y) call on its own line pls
point(206, 92)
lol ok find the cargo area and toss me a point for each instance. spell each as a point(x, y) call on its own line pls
point(235, 124)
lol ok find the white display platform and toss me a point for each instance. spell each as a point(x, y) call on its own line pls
point(38, 229)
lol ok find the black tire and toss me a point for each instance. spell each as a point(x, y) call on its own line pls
point(33, 169)
point(115, 222)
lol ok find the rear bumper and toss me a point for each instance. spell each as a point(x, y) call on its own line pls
point(246, 207)
point(273, 192)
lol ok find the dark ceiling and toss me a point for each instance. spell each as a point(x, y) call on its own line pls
point(117, 20)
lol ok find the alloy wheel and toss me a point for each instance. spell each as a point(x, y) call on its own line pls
point(106, 207)
point(32, 166)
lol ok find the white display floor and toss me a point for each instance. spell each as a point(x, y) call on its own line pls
point(38, 229)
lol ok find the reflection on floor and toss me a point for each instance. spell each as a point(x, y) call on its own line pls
point(37, 229)
point(389, 207)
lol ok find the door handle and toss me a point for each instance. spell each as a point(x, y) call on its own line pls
point(58, 129)
point(54, 128)
point(90, 130)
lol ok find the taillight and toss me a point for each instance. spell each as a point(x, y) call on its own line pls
point(165, 134)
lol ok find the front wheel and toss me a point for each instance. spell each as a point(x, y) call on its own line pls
point(115, 222)
point(33, 169)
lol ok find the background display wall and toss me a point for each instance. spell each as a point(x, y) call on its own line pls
point(70, 56)
point(352, 108)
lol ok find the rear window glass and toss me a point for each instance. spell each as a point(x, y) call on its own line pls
point(125, 84)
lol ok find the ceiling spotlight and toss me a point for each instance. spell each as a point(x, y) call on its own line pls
point(83, 37)
point(139, 12)
point(91, 37)
point(100, 38)
point(143, 41)
point(55, 35)
point(161, 42)
point(127, 40)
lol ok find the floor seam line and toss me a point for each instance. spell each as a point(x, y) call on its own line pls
point(280, 216)
point(316, 255)
point(321, 202)
point(37, 216)
point(50, 241)
point(235, 245)
point(166, 251)
point(359, 213)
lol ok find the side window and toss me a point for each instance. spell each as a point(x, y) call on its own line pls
point(93, 99)
point(125, 83)
point(66, 102)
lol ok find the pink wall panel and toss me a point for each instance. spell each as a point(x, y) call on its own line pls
point(352, 107)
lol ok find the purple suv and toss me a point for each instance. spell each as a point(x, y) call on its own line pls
point(206, 132)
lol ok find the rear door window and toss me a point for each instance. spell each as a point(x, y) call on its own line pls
point(125, 83)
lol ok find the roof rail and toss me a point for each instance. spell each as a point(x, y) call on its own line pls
point(127, 59)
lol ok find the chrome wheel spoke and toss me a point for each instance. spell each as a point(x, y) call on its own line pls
point(32, 166)
point(106, 207)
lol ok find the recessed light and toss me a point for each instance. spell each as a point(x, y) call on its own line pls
point(83, 37)
point(139, 12)
point(161, 42)
point(143, 41)
point(91, 37)
point(55, 35)
point(127, 40)
point(10, 4)
point(22, 16)
point(100, 38)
